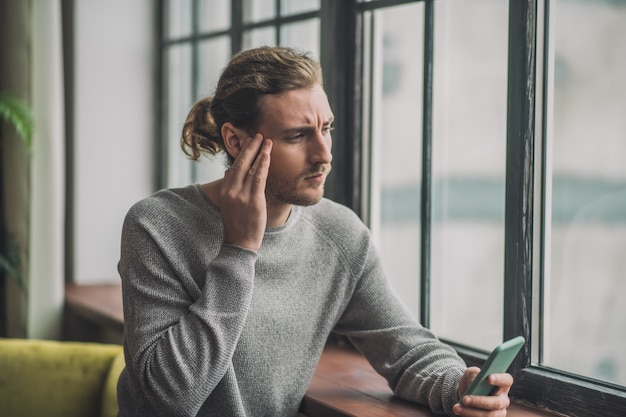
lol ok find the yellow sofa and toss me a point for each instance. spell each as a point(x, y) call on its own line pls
point(58, 379)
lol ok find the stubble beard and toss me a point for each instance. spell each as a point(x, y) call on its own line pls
point(281, 190)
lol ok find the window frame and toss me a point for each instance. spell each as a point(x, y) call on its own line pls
point(342, 58)
point(526, 198)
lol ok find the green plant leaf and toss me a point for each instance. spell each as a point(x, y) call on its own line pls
point(10, 258)
point(19, 114)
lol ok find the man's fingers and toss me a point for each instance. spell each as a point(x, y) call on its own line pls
point(503, 381)
point(257, 174)
point(245, 159)
point(487, 402)
point(479, 405)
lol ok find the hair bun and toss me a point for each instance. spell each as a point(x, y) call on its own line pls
point(200, 131)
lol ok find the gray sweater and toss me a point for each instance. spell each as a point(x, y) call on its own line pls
point(217, 330)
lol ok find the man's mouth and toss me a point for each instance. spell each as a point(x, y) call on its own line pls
point(319, 173)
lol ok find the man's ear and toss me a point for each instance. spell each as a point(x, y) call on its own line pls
point(233, 138)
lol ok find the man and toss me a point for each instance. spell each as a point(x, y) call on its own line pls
point(231, 288)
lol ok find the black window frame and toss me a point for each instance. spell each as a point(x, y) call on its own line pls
point(341, 56)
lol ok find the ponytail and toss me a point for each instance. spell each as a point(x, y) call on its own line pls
point(200, 133)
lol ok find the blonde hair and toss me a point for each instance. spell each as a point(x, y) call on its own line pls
point(249, 76)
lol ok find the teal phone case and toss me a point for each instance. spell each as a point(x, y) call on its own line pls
point(498, 362)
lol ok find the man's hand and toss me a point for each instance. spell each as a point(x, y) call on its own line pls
point(482, 406)
point(242, 194)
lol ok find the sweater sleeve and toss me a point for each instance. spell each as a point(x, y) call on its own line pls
point(180, 336)
point(417, 366)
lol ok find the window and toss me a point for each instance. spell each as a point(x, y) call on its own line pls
point(393, 141)
point(585, 154)
point(483, 142)
point(468, 170)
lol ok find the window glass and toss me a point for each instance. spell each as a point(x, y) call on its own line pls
point(214, 55)
point(178, 18)
point(179, 101)
point(213, 15)
point(585, 282)
point(289, 7)
point(303, 35)
point(396, 34)
point(469, 153)
point(259, 37)
point(258, 10)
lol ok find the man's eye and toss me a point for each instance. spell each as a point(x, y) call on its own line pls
point(297, 136)
point(328, 129)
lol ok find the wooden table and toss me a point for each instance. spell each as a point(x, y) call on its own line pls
point(93, 313)
point(345, 384)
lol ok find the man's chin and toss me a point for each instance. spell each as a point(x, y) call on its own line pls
point(303, 199)
point(307, 200)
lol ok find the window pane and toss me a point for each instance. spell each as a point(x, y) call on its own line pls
point(303, 35)
point(179, 101)
point(585, 332)
point(178, 18)
point(214, 56)
point(259, 37)
point(395, 154)
point(469, 152)
point(258, 10)
point(289, 7)
point(213, 15)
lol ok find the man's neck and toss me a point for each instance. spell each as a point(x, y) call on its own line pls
point(277, 214)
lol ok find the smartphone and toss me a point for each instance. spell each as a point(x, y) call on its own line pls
point(498, 362)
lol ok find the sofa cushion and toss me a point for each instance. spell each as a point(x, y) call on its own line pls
point(48, 378)
point(109, 395)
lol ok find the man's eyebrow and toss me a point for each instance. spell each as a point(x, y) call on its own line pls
point(297, 129)
point(305, 128)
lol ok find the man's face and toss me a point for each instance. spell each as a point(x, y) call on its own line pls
point(299, 122)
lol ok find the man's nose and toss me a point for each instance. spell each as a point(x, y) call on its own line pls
point(321, 148)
